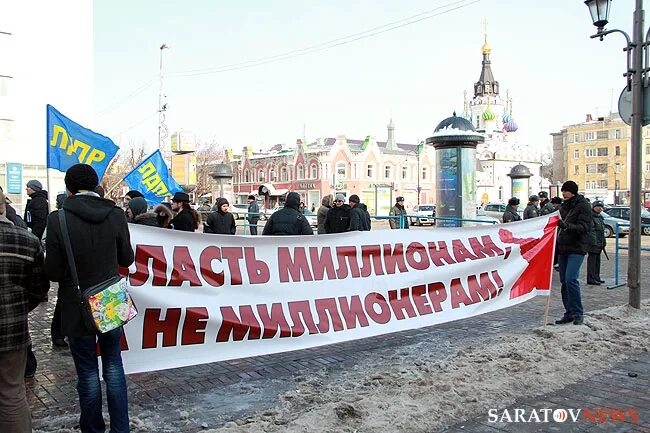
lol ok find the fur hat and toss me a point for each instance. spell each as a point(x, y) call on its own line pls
point(81, 177)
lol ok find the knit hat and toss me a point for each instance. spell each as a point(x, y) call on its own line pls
point(339, 196)
point(133, 194)
point(570, 186)
point(138, 206)
point(35, 185)
point(354, 199)
point(81, 177)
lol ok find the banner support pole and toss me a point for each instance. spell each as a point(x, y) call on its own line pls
point(548, 304)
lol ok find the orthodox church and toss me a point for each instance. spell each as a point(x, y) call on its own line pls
point(492, 115)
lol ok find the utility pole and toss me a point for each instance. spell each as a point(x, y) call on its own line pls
point(162, 128)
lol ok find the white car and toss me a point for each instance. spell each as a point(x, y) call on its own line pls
point(425, 215)
point(494, 210)
point(311, 217)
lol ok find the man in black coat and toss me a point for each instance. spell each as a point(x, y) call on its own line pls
point(288, 220)
point(100, 241)
point(596, 244)
point(338, 217)
point(187, 219)
point(572, 245)
point(359, 216)
point(37, 208)
point(221, 222)
point(253, 216)
point(11, 213)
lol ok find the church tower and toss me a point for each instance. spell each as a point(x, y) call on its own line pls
point(487, 107)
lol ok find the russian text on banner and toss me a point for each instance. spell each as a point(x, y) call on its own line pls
point(153, 179)
point(70, 143)
point(206, 298)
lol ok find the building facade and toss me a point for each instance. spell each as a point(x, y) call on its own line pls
point(377, 172)
point(491, 114)
point(595, 154)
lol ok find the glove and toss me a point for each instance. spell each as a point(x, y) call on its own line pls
point(562, 225)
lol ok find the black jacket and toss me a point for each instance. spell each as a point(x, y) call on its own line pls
point(511, 214)
point(183, 221)
point(36, 212)
point(253, 213)
point(531, 211)
point(221, 223)
point(576, 216)
point(338, 219)
point(146, 219)
point(100, 241)
point(596, 234)
point(288, 220)
point(359, 218)
point(545, 207)
point(14, 217)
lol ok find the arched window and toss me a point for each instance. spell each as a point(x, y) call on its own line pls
point(387, 171)
point(247, 176)
point(314, 171)
point(283, 174)
point(260, 176)
point(340, 170)
point(404, 172)
point(424, 173)
point(301, 172)
point(273, 175)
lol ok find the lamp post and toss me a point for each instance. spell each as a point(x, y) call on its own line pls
point(417, 158)
point(636, 74)
point(161, 108)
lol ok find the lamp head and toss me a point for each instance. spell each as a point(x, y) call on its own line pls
point(599, 10)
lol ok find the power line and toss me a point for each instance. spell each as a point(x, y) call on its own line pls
point(140, 122)
point(329, 44)
point(131, 95)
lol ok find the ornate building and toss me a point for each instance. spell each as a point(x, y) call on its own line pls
point(491, 115)
point(377, 172)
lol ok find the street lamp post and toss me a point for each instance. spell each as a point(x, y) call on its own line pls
point(161, 107)
point(636, 74)
point(417, 159)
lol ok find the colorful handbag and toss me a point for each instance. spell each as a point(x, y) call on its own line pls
point(105, 306)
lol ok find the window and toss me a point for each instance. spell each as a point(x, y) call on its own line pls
point(301, 172)
point(404, 172)
point(618, 134)
point(283, 174)
point(340, 170)
point(314, 171)
point(5, 85)
point(247, 176)
point(647, 166)
point(273, 176)
point(602, 168)
point(576, 154)
point(590, 152)
point(576, 137)
point(603, 151)
point(618, 150)
point(370, 171)
point(602, 135)
point(260, 176)
point(424, 173)
point(590, 136)
point(500, 193)
point(387, 172)
point(602, 184)
point(647, 150)
point(592, 168)
point(576, 169)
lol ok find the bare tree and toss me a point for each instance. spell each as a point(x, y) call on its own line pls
point(125, 160)
point(207, 155)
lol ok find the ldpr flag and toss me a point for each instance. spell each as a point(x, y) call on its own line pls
point(152, 178)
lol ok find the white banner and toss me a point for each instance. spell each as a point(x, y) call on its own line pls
point(206, 298)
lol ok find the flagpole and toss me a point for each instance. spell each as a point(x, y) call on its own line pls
point(47, 152)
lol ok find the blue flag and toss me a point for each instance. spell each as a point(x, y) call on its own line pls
point(152, 178)
point(69, 143)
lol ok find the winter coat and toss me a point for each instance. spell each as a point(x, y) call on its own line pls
point(360, 218)
point(220, 223)
point(597, 233)
point(36, 212)
point(511, 214)
point(288, 220)
point(164, 216)
point(183, 221)
point(253, 213)
point(576, 216)
point(14, 217)
point(397, 223)
point(338, 219)
point(146, 219)
point(531, 211)
point(546, 208)
point(99, 235)
point(22, 284)
point(321, 216)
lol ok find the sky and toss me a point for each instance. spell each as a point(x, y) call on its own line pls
point(416, 74)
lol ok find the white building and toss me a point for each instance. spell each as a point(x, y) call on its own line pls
point(46, 57)
point(491, 115)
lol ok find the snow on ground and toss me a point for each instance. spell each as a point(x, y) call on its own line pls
point(415, 391)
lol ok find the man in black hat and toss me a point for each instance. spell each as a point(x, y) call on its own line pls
point(511, 214)
point(572, 244)
point(253, 214)
point(398, 212)
point(288, 220)
point(186, 219)
point(532, 211)
point(359, 216)
point(37, 208)
point(337, 219)
point(100, 241)
point(545, 205)
point(597, 243)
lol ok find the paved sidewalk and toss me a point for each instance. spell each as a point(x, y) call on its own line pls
point(219, 392)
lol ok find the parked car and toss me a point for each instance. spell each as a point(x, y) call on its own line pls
point(425, 214)
point(610, 226)
point(494, 210)
point(311, 217)
point(623, 212)
point(238, 210)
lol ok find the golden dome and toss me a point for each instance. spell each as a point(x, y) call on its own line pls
point(486, 48)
